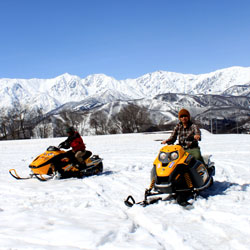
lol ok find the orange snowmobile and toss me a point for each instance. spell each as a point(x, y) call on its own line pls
point(177, 174)
point(55, 163)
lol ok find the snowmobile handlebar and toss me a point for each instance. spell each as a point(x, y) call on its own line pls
point(64, 145)
point(167, 142)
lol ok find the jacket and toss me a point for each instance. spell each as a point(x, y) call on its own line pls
point(185, 135)
point(75, 141)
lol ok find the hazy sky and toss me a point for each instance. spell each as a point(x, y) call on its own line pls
point(122, 38)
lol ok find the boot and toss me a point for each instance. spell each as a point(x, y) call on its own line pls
point(182, 199)
point(81, 166)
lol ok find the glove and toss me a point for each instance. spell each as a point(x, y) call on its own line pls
point(65, 145)
point(166, 142)
point(62, 145)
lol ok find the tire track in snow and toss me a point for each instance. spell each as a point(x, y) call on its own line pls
point(126, 215)
point(166, 236)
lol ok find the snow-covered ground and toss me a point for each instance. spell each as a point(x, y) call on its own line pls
point(90, 213)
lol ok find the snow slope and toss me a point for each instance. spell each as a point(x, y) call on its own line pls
point(90, 214)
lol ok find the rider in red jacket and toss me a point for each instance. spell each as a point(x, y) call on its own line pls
point(78, 151)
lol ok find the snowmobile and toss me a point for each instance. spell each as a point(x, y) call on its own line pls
point(176, 175)
point(56, 163)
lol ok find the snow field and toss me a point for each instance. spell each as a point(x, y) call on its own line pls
point(90, 214)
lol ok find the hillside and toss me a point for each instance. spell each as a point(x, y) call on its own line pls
point(221, 98)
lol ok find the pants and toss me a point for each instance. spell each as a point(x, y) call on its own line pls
point(79, 156)
point(196, 153)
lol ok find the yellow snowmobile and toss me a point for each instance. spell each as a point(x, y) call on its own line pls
point(55, 163)
point(177, 174)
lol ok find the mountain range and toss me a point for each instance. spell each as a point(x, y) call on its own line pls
point(162, 92)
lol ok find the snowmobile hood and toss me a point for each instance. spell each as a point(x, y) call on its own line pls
point(44, 157)
point(168, 158)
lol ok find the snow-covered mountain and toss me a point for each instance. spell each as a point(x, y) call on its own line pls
point(223, 94)
point(52, 93)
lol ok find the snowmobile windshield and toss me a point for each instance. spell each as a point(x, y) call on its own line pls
point(168, 157)
point(52, 148)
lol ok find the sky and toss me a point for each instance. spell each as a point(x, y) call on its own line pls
point(122, 39)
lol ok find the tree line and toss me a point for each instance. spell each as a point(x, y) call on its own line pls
point(22, 122)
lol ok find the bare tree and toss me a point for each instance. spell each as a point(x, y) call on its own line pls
point(133, 118)
point(99, 121)
point(25, 121)
point(12, 124)
point(43, 124)
point(75, 119)
point(84, 122)
point(72, 118)
point(59, 128)
point(3, 125)
point(113, 127)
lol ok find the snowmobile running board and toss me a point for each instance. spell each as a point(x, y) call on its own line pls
point(94, 161)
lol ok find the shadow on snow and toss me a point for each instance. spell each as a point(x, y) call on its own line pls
point(220, 188)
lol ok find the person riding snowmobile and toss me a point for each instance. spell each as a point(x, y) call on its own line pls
point(78, 151)
point(188, 135)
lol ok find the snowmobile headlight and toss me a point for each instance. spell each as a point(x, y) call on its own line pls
point(162, 156)
point(174, 156)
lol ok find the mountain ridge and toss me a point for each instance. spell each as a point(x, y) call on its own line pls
point(54, 92)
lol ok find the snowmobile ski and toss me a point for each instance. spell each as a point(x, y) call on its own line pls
point(43, 178)
point(130, 201)
point(14, 174)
